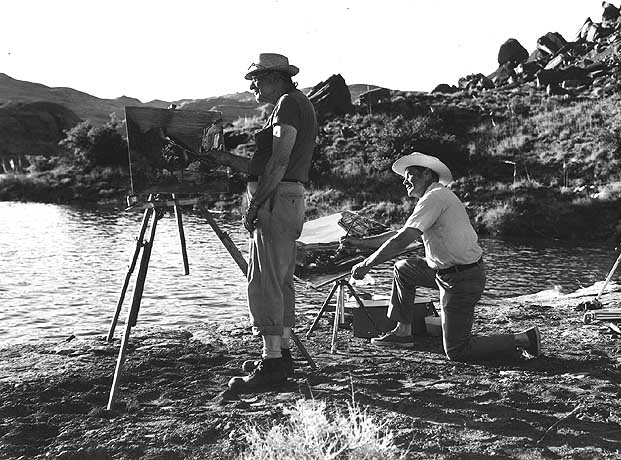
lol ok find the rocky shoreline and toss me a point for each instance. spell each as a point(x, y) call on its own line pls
point(171, 404)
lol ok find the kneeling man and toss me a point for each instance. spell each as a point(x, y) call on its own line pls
point(453, 264)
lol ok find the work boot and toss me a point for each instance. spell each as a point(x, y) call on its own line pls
point(390, 339)
point(270, 372)
point(250, 365)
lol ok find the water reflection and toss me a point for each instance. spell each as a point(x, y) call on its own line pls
point(63, 267)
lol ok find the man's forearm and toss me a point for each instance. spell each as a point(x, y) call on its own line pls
point(224, 158)
point(375, 241)
point(392, 247)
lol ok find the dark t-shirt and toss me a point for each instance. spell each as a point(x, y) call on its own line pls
point(295, 109)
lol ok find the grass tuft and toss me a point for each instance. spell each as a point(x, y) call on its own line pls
point(310, 433)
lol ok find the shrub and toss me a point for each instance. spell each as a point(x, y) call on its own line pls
point(40, 163)
point(498, 220)
point(96, 146)
point(311, 434)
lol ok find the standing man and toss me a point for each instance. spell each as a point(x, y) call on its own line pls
point(275, 215)
point(452, 264)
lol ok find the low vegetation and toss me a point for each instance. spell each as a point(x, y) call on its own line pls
point(526, 165)
point(311, 433)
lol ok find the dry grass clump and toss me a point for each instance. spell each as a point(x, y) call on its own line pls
point(311, 434)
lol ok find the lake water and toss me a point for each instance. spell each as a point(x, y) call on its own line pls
point(62, 269)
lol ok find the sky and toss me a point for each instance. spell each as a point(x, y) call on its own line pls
point(183, 49)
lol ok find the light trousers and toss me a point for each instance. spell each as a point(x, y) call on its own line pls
point(459, 293)
point(271, 293)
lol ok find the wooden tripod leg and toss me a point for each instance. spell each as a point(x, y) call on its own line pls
point(132, 317)
point(184, 251)
point(302, 349)
point(148, 212)
point(364, 309)
point(338, 312)
point(324, 307)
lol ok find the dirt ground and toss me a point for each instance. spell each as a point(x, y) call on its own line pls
point(563, 405)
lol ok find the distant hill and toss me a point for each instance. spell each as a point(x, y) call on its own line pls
point(16, 95)
point(87, 107)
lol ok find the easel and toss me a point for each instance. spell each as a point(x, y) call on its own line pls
point(340, 283)
point(154, 207)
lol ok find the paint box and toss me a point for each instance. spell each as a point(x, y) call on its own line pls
point(372, 320)
point(433, 325)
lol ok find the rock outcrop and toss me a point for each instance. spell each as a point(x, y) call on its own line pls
point(331, 97)
point(590, 65)
point(512, 52)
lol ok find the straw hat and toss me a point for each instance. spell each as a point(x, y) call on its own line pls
point(269, 62)
point(425, 161)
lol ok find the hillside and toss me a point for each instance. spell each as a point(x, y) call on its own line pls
point(87, 107)
point(97, 111)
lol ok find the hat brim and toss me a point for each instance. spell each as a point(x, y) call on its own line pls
point(290, 70)
point(426, 161)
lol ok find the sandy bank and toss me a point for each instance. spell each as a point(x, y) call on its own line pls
point(565, 404)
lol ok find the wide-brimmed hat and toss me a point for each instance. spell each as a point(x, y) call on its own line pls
point(271, 62)
point(425, 161)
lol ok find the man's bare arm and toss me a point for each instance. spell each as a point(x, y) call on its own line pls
point(368, 242)
point(224, 158)
point(392, 247)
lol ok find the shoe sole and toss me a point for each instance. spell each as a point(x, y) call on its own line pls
point(392, 344)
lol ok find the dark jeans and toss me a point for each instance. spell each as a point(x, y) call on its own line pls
point(459, 293)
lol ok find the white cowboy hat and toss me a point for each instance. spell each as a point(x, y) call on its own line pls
point(425, 161)
point(269, 62)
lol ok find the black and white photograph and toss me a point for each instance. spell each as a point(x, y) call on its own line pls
point(295, 230)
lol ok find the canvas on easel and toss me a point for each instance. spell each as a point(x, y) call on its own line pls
point(164, 147)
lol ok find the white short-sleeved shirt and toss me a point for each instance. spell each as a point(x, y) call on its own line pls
point(448, 235)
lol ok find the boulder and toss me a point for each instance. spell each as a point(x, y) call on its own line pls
point(505, 74)
point(512, 52)
point(586, 30)
point(551, 43)
point(445, 89)
point(374, 97)
point(558, 76)
point(475, 81)
point(331, 97)
point(527, 70)
point(610, 15)
point(539, 57)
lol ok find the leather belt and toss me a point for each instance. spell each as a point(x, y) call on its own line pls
point(459, 268)
point(252, 178)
